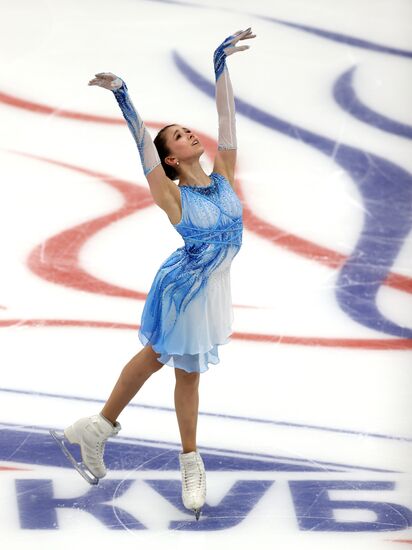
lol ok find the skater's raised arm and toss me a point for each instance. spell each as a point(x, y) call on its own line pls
point(225, 159)
point(159, 183)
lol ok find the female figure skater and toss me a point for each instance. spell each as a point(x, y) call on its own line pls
point(188, 312)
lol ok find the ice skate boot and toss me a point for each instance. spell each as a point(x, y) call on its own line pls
point(91, 434)
point(193, 481)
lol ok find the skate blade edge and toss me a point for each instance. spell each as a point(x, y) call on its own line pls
point(59, 438)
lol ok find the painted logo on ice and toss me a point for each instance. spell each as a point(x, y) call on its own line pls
point(313, 487)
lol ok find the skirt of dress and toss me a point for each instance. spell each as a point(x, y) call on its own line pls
point(205, 324)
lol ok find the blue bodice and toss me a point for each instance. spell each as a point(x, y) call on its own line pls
point(211, 216)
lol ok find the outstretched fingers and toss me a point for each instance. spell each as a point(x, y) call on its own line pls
point(106, 80)
point(232, 40)
point(243, 35)
point(106, 76)
point(240, 48)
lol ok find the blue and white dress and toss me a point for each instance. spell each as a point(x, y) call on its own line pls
point(188, 312)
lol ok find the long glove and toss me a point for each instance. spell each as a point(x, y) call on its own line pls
point(225, 102)
point(147, 150)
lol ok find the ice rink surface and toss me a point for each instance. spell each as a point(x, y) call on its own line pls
point(305, 425)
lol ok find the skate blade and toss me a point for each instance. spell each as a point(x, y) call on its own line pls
point(79, 466)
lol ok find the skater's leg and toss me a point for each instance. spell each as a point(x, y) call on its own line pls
point(131, 379)
point(187, 406)
point(191, 463)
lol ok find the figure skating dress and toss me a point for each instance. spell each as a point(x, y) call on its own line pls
point(188, 312)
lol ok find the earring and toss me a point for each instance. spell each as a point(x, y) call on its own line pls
point(177, 163)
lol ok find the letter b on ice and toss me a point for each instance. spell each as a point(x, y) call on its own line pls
point(314, 508)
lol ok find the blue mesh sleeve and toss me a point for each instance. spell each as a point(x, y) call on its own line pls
point(147, 150)
point(225, 102)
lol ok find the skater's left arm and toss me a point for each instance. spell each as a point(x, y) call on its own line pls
point(225, 159)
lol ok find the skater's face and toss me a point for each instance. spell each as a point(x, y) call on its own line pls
point(183, 144)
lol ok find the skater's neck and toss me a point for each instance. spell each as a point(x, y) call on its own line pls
point(193, 175)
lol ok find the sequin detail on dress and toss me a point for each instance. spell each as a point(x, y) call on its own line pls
point(188, 312)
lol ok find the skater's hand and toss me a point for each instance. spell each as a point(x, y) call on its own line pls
point(228, 46)
point(106, 80)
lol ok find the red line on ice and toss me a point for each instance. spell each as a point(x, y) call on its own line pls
point(57, 259)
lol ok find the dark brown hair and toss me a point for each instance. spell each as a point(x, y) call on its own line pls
point(163, 151)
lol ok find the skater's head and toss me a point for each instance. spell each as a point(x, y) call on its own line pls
point(177, 145)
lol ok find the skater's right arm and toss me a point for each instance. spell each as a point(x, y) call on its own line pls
point(162, 188)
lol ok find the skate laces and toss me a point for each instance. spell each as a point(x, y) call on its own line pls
point(100, 445)
point(101, 442)
point(193, 473)
point(100, 451)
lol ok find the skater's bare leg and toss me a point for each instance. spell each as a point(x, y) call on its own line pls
point(131, 379)
point(187, 407)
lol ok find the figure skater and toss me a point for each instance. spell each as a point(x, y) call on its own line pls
point(188, 312)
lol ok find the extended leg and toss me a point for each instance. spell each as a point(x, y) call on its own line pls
point(91, 432)
point(131, 379)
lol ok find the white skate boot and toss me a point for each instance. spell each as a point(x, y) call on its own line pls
point(91, 434)
point(193, 481)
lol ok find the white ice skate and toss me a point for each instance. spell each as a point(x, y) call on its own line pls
point(193, 481)
point(91, 434)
